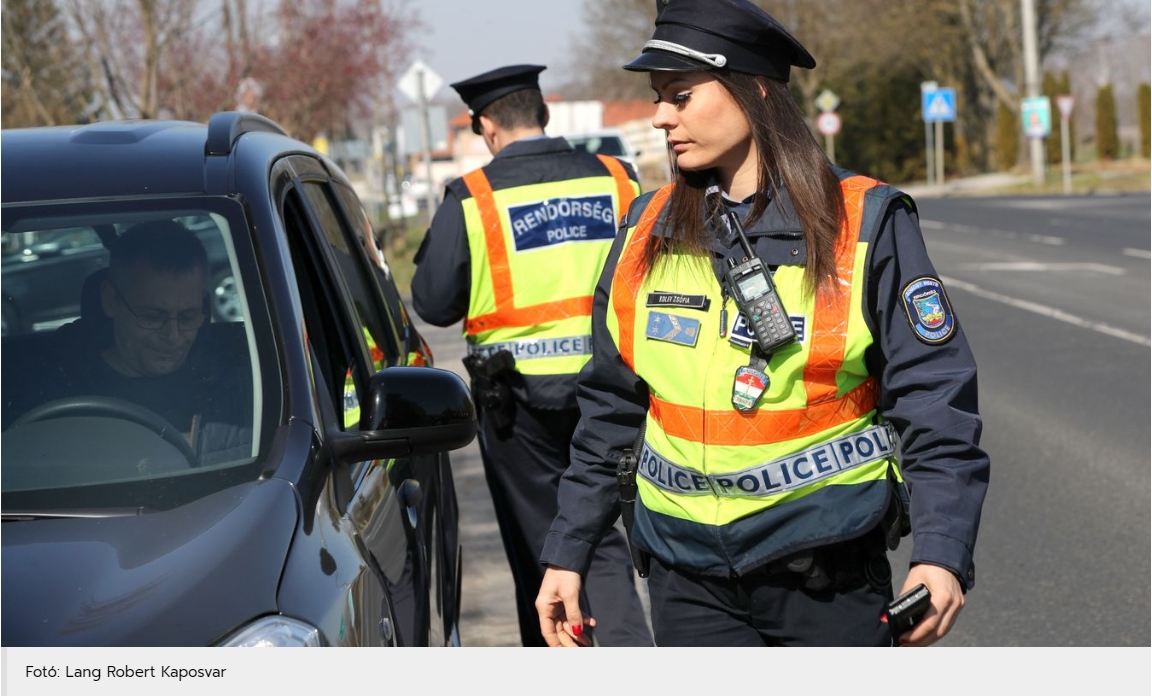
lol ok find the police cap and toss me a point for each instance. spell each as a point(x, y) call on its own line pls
point(480, 91)
point(708, 34)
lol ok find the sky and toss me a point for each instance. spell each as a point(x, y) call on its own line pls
point(468, 37)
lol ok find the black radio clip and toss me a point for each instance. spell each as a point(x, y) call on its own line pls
point(751, 288)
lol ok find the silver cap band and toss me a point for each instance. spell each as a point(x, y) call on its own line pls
point(716, 60)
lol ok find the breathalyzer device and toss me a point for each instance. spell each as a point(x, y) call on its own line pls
point(907, 609)
point(751, 287)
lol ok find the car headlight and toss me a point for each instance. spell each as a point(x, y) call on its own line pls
point(274, 632)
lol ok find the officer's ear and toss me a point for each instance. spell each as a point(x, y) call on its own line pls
point(487, 127)
point(488, 132)
point(545, 116)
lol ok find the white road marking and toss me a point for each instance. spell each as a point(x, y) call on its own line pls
point(1051, 312)
point(1037, 267)
point(1138, 253)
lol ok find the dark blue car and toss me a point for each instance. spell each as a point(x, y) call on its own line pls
point(321, 510)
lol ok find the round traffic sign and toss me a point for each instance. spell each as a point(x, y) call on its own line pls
point(828, 123)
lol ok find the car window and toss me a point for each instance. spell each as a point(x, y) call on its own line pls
point(115, 357)
point(365, 305)
point(380, 275)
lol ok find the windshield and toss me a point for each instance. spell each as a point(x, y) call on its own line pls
point(599, 145)
point(131, 370)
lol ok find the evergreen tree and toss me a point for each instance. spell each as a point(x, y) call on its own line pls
point(881, 136)
point(1144, 116)
point(43, 82)
point(1007, 137)
point(1107, 137)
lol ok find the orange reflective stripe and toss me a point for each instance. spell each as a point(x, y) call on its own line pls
point(507, 314)
point(481, 190)
point(630, 272)
point(833, 304)
point(624, 191)
point(730, 427)
point(532, 315)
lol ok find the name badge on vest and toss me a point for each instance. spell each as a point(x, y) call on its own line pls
point(750, 383)
point(673, 329)
point(675, 299)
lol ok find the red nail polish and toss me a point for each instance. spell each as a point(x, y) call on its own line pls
point(577, 629)
point(884, 618)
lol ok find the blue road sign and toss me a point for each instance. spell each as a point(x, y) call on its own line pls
point(939, 104)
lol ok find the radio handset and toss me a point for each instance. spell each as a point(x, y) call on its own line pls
point(751, 287)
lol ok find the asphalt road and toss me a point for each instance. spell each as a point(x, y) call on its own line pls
point(1053, 294)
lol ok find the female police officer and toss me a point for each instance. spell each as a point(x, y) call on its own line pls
point(769, 488)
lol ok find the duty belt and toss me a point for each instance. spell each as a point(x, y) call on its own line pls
point(529, 349)
point(777, 476)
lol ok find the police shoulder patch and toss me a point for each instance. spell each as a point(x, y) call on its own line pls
point(928, 310)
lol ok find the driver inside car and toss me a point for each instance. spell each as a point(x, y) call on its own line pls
point(154, 297)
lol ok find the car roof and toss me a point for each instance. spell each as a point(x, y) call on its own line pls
point(114, 158)
point(125, 158)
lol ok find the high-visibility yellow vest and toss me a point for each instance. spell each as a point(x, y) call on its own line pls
point(537, 251)
point(722, 490)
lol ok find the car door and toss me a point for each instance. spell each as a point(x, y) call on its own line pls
point(436, 509)
point(351, 338)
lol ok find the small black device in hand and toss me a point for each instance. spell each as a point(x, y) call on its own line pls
point(907, 609)
point(751, 287)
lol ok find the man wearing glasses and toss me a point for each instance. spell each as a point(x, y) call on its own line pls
point(154, 296)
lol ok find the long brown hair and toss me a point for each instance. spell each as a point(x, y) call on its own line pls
point(788, 156)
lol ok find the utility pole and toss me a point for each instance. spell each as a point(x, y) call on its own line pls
point(426, 138)
point(1032, 84)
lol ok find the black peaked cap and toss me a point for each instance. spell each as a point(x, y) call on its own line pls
point(733, 34)
point(480, 91)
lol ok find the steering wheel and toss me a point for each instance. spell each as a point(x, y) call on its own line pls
point(107, 407)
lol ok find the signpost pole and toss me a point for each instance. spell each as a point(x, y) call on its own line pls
point(929, 154)
point(940, 155)
point(1065, 102)
point(1066, 155)
point(828, 123)
point(426, 141)
point(927, 87)
point(1032, 80)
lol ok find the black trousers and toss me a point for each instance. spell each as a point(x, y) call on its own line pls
point(523, 466)
point(772, 607)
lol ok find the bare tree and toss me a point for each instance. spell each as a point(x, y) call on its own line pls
point(614, 32)
point(319, 64)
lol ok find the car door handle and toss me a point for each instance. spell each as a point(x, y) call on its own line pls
point(410, 495)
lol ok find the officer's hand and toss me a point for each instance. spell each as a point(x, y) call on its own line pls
point(947, 601)
point(558, 604)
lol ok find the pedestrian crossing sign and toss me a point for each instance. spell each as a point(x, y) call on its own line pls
point(938, 104)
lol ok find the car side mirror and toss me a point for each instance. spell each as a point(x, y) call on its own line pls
point(410, 411)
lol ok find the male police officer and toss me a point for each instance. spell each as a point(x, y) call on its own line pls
point(515, 250)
